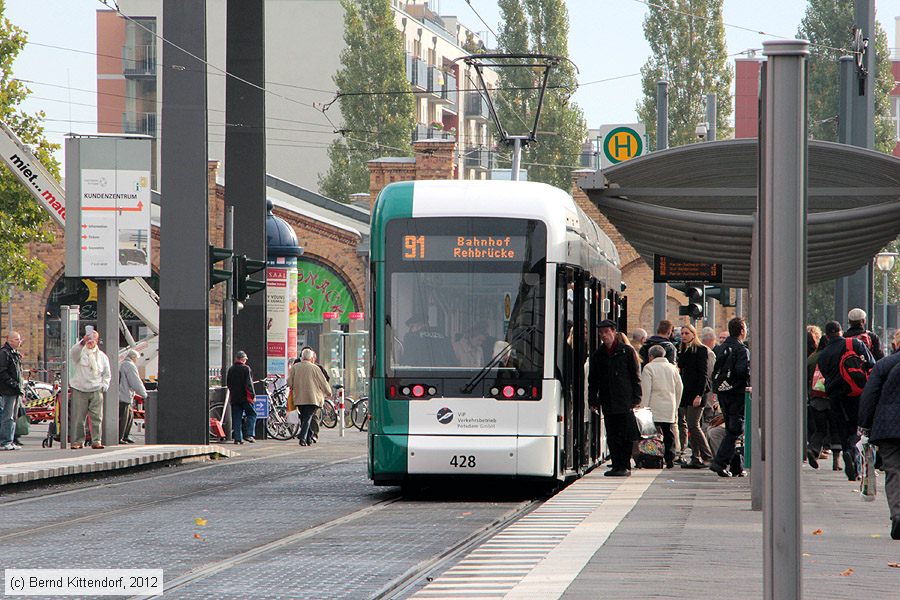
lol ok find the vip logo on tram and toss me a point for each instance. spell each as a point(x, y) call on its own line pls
point(444, 416)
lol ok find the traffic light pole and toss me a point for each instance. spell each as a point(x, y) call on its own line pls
point(228, 303)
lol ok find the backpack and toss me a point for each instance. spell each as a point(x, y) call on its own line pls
point(722, 371)
point(853, 370)
point(865, 338)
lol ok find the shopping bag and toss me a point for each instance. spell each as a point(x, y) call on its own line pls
point(293, 417)
point(868, 484)
point(644, 418)
point(23, 426)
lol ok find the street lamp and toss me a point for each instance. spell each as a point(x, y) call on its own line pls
point(885, 263)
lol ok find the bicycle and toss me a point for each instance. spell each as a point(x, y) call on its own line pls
point(277, 425)
point(330, 409)
point(359, 413)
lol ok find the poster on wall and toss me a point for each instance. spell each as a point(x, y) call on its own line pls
point(320, 290)
point(281, 332)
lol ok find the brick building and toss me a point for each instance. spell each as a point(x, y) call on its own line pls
point(324, 229)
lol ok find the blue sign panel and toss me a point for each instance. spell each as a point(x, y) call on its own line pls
point(261, 406)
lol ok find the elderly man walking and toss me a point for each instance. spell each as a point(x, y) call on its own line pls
point(239, 381)
point(129, 384)
point(309, 388)
point(11, 383)
point(89, 383)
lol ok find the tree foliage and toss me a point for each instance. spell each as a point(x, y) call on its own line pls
point(687, 44)
point(827, 24)
point(540, 27)
point(22, 219)
point(375, 124)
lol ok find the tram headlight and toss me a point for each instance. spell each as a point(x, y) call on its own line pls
point(508, 391)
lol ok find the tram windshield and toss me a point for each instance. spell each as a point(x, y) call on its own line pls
point(464, 293)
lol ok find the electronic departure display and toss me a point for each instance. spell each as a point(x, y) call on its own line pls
point(489, 248)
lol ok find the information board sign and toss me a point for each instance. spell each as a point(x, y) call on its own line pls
point(261, 406)
point(672, 270)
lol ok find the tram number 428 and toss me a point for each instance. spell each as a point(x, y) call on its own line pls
point(462, 461)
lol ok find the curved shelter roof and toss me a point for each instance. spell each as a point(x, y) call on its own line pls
point(696, 202)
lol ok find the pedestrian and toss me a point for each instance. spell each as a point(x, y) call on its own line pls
point(661, 389)
point(693, 360)
point(844, 411)
point(857, 329)
point(130, 384)
point(817, 403)
point(614, 386)
point(662, 338)
point(879, 418)
point(309, 388)
point(88, 384)
point(11, 389)
point(239, 380)
point(638, 337)
point(731, 376)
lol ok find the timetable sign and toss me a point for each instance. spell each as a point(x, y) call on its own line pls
point(675, 270)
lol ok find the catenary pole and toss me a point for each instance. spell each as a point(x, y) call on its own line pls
point(662, 142)
point(784, 223)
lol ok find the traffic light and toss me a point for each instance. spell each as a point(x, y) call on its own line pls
point(694, 307)
point(244, 286)
point(219, 275)
point(722, 294)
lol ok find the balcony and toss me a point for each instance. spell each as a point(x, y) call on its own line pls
point(479, 159)
point(139, 61)
point(139, 122)
point(477, 107)
point(449, 92)
point(425, 132)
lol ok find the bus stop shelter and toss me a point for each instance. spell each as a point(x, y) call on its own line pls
point(697, 202)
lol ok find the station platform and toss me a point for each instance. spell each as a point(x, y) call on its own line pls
point(34, 463)
point(676, 534)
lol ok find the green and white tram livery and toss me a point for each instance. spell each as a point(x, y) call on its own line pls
point(484, 295)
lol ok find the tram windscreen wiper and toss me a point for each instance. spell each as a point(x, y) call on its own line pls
point(495, 360)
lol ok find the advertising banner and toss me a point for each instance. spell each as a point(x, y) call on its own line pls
point(281, 327)
point(320, 290)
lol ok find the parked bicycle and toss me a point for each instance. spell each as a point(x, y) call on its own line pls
point(277, 425)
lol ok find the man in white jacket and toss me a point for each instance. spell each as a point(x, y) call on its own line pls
point(661, 389)
point(88, 384)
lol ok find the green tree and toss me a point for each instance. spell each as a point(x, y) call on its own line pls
point(22, 220)
point(687, 44)
point(540, 27)
point(827, 25)
point(374, 125)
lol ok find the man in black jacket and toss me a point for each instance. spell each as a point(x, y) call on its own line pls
point(11, 386)
point(857, 329)
point(733, 358)
point(843, 416)
point(879, 414)
point(240, 390)
point(662, 338)
point(614, 385)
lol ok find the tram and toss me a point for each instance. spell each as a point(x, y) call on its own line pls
point(485, 295)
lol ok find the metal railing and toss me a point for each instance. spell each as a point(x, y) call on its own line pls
point(479, 158)
point(139, 122)
point(449, 91)
point(424, 132)
point(139, 60)
point(477, 106)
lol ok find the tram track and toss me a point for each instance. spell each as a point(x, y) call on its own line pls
point(131, 480)
point(97, 515)
point(412, 579)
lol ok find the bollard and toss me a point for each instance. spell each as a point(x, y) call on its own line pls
point(150, 421)
point(341, 409)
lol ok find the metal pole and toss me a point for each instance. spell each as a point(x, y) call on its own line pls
point(845, 127)
point(228, 316)
point(66, 343)
point(516, 158)
point(662, 142)
point(739, 303)
point(711, 117)
point(785, 270)
point(884, 303)
point(108, 324)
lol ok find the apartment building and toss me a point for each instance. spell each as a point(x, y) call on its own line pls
point(303, 45)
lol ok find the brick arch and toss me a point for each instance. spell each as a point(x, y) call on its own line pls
point(348, 281)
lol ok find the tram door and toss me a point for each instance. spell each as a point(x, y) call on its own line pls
point(581, 414)
point(596, 308)
point(565, 360)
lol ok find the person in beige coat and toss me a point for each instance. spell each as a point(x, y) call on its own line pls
point(308, 388)
point(661, 389)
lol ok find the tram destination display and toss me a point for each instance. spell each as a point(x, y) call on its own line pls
point(463, 247)
point(675, 270)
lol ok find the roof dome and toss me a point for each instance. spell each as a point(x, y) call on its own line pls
point(280, 236)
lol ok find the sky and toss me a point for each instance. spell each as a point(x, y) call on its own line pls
point(606, 40)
